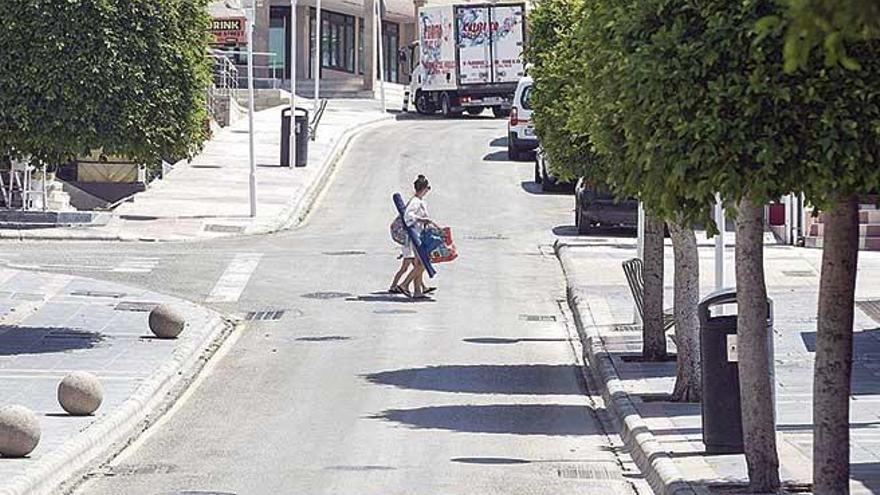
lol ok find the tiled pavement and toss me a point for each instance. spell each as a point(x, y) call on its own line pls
point(208, 197)
point(792, 279)
point(52, 324)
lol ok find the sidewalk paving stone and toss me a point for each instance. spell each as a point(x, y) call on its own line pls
point(208, 196)
point(76, 324)
point(594, 273)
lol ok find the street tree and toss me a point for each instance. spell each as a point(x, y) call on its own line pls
point(555, 60)
point(829, 24)
point(125, 77)
point(840, 135)
point(701, 109)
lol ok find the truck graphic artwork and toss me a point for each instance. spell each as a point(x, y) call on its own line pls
point(468, 57)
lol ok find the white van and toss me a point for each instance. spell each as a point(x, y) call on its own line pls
point(521, 136)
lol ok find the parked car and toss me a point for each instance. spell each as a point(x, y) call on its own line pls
point(543, 176)
point(521, 136)
point(595, 206)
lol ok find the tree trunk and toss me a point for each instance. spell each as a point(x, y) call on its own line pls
point(653, 335)
point(753, 352)
point(688, 387)
point(834, 347)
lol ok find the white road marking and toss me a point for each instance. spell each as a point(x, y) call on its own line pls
point(127, 265)
point(136, 265)
point(233, 281)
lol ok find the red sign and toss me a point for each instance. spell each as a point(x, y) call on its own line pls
point(229, 31)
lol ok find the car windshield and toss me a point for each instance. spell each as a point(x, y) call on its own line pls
point(526, 98)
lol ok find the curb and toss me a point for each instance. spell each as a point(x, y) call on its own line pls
point(293, 215)
point(297, 213)
point(653, 460)
point(103, 439)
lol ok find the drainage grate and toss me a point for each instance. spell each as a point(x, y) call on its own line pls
point(395, 311)
point(138, 306)
point(141, 469)
point(870, 307)
point(626, 328)
point(799, 273)
point(344, 253)
point(596, 472)
point(327, 295)
point(323, 338)
point(269, 315)
point(230, 229)
point(493, 237)
point(98, 293)
point(524, 317)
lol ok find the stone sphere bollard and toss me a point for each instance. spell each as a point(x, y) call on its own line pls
point(165, 322)
point(19, 431)
point(80, 393)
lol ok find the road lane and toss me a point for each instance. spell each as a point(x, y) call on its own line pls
point(355, 391)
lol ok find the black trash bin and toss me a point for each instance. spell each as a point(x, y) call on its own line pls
point(722, 416)
point(302, 137)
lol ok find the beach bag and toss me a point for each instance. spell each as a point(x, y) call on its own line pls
point(398, 231)
point(431, 238)
point(445, 251)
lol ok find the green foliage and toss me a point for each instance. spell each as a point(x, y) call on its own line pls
point(829, 24)
point(553, 58)
point(681, 99)
point(128, 76)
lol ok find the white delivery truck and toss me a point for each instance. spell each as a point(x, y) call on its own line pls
point(468, 58)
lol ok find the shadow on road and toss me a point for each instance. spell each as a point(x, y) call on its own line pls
point(497, 156)
point(16, 340)
point(500, 142)
point(437, 116)
point(523, 379)
point(533, 187)
point(571, 231)
point(388, 299)
point(499, 340)
point(515, 419)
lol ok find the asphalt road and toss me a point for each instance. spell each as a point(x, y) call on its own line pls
point(353, 391)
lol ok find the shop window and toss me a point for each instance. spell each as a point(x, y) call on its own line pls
point(391, 45)
point(337, 41)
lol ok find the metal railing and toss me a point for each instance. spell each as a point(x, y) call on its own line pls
point(224, 82)
point(268, 68)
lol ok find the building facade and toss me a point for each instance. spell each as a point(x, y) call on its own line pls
point(349, 52)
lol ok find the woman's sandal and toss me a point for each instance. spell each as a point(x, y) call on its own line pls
point(394, 290)
point(402, 290)
point(429, 290)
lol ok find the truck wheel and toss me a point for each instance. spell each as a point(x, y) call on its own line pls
point(500, 112)
point(423, 105)
point(475, 110)
point(446, 106)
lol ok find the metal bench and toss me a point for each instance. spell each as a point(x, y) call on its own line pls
point(633, 269)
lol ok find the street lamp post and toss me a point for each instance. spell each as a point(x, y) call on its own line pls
point(380, 43)
point(719, 243)
point(292, 143)
point(317, 64)
point(252, 178)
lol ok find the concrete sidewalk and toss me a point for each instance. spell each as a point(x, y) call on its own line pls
point(51, 325)
point(666, 437)
point(208, 197)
